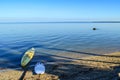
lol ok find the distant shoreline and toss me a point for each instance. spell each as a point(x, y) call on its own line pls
point(59, 22)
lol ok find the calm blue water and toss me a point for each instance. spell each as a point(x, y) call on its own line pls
point(57, 41)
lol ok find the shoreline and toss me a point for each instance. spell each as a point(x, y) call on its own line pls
point(105, 67)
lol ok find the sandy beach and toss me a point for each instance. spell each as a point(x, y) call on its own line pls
point(101, 67)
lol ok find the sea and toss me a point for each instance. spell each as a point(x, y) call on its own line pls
point(56, 41)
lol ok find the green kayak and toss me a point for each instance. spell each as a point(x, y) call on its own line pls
point(27, 57)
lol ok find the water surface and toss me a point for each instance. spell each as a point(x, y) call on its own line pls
point(57, 41)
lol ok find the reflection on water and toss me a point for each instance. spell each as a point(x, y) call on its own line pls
point(57, 41)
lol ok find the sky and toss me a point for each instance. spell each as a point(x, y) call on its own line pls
point(60, 10)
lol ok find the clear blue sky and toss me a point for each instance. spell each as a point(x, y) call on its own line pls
point(60, 9)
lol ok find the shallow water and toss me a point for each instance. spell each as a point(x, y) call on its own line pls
point(56, 41)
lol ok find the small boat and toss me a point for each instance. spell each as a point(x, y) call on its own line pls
point(28, 55)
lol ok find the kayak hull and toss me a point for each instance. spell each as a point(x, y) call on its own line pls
point(27, 57)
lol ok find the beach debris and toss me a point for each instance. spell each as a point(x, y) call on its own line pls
point(39, 68)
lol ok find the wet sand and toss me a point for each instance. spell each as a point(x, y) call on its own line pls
point(101, 67)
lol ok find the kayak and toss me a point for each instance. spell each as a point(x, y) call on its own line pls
point(28, 55)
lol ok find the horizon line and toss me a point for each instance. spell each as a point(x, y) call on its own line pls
point(23, 22)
